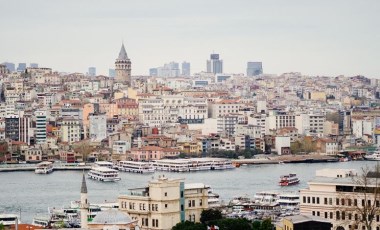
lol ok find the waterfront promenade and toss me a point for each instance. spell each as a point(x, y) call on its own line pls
point(28, 167)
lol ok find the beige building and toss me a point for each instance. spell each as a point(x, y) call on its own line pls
point(164, 203)
point(333, 195)
point(70, 130)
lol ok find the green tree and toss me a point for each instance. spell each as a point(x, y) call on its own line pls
point(256, 225)
point(187, 225)
point(210, 214)
point(266, 224)
point(233, 224)
point(2, 226)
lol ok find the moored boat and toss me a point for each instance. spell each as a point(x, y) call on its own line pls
point(44, 167)
point(136, 167)
point(287, 180)
point(9, 219)
point(373, 157)
point(104, 174)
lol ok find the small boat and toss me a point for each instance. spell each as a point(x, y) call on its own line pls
point(104, 174)
point(136, 167)
point(9, 219)
point(44, 167)
point(287, 180)
point(373, 157)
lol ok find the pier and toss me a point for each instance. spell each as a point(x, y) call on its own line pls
point(17, 168)
point(311, 158)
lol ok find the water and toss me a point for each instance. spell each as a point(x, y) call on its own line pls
point(33, 193)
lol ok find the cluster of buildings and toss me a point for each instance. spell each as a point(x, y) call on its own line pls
point(46, 115)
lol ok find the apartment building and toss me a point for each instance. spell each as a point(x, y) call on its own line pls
point(164, 203)
point(70, 130)
point(334, 195)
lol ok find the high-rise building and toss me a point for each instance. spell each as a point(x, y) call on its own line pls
point(214, 65)
point(153, 72)
point(25, 129)
point(10, 66)
point(123, 67)
point(98, 127)
point(12, 125)
point(21, 67)
point(92, 71)
point(185, 68)
point(3, 69)
point(34, 65)
point(111, 73)
point(254, 68)
point(40, 131)
point(169, 70)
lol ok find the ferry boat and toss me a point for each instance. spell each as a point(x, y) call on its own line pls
point(192, 164)
point(136, 167)
point(43, 222)
point(267, 197)
point(373, 157)
point(9, 219)
point(44, 167)
point(104, 174)
point(106, 164)
point(287, 180)
point(289, 201)
point(213, 198)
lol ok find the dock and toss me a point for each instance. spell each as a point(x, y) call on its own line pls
point(312, 158)
point(16, 168)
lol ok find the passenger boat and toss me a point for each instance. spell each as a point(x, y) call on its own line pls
point(193, 164)
point(44, 167)
point(289, 201)
point(373, 157)
point(104, 174)
point(287, 180)
point(213, 198)
point(9, 219)
point(136, 167)
point(267, 197)
point(43, 222)
point(106, 164)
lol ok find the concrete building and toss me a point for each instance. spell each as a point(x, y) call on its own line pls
point(92, 71)
point(282, 145)
point(164, 203)
point(40, 131)
point(310, 124)
point(123, 67)
point(10, 66)
point(214, 65)
point(70, 130)
point(21, 67)
point(254, 68)
point(98, 127)
point(335, 196)
point(12, 125)
point(303, 222)
point(186, 69)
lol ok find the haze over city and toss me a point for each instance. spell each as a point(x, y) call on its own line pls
point(315, 38)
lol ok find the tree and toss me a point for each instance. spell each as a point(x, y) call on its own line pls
point(187, 225)
point(209, 215)
point(84, 149)
point(2, 226)
point(359, 204)
point(266, 225)
point(233, 224)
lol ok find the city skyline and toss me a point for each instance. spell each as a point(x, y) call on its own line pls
point(319, 38)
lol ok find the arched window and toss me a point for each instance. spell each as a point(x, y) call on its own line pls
point(340, 228)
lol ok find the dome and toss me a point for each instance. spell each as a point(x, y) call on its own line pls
point(111, 216)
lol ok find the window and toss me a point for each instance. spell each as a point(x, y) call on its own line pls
point(182, 209)
point(325, 202)
point(308, 200)
point(337, 215)
point(355, 202)
point(166, 194)
point(193, 203)
point(331, 215)
point(313, 200)
point(313, 213)
point(342, 201)
point(337, 201)
point(317, 200)
point(166, 205)
point(326, 215)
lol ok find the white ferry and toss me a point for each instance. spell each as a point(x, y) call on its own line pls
point(43, 222)
point(136, 167)
point(9, 219)
point(213, 198)
point(44, 167)
point(104, 174)
point(106, 164)
point(289, 201)
point(192, 164)
point(177, 165)
point(373, 157)
point(266, 197)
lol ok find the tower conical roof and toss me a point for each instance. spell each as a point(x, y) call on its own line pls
point(122, 54)
point(83, 189)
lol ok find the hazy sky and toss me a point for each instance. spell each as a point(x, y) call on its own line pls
point(316, 37)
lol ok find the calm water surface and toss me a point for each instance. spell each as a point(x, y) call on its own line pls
point(35, 193)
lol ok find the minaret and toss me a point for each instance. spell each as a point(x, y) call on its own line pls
point(123, 67)
point(83, 204)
